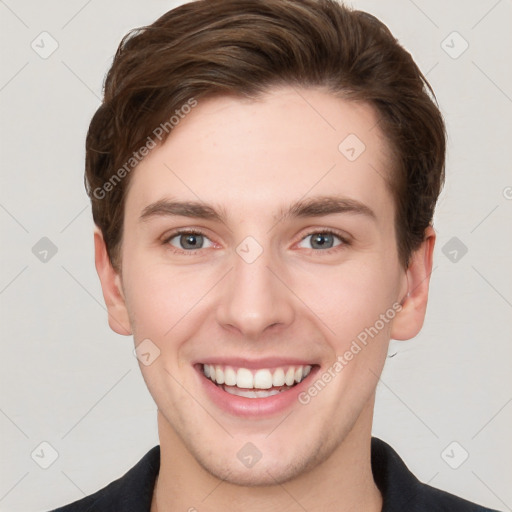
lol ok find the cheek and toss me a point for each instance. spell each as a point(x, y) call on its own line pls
point(350, 298)
point(169, 301)
point(161, 297)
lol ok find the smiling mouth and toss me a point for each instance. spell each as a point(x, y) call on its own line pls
point(260, 383)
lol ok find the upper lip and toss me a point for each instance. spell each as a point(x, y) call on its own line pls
point(265, 362)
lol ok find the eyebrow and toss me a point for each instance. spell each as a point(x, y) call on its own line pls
point(195, 209)
point(313, 207)
point(327, 205)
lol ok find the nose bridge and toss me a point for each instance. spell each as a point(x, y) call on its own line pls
point(253, 298)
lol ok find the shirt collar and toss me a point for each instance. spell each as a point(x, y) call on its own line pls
point(399, 488)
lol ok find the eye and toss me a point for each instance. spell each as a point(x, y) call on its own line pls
point(189, 241)
point(322, 240)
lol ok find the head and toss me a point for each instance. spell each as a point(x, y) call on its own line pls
point(299, 142)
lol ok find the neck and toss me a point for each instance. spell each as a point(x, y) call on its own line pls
point(341, 483)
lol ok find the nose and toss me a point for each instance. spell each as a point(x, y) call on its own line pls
point(253, 299)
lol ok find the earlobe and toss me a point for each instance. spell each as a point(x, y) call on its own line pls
point(118, 318)
point(409, 320)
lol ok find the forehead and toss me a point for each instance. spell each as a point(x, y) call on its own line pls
point(245, 155)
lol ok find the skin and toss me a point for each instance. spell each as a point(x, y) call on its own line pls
point(250, 159)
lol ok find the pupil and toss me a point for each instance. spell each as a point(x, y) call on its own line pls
point(190, 241)
point(322, 240)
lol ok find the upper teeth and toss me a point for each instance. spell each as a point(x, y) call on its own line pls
point(259, 379)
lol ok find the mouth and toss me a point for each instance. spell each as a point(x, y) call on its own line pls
point(255, 383)
point(255, 391)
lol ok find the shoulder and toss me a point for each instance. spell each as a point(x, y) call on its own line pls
point(430, 497)
point(401, 490)
point(130, 493)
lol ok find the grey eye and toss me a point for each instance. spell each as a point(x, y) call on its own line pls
point(321, 240)
point(189, 241)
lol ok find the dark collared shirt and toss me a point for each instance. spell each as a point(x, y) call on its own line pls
point(401, 490)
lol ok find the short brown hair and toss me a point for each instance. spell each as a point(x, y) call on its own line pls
point(243, 48)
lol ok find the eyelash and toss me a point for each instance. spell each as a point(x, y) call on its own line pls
point(327, 231)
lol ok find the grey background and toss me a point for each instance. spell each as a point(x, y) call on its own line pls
point(67, 380)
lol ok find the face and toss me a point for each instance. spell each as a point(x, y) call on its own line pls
point(256, 250)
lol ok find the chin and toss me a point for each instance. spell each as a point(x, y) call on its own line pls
point(260, 475)
point(269, 470)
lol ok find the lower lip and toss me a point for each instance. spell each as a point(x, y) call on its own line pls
point(254, 407)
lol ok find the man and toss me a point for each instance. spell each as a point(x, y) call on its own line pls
point(263, 177)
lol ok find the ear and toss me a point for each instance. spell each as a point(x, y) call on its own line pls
point(110, 279)
point(409, 321)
